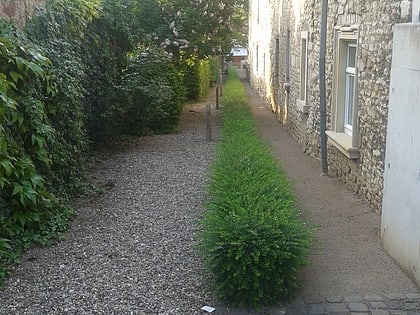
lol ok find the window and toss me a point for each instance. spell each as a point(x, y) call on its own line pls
point(264, 64)
point(350, 73)
point(303, 85)
point(344, 133)
point(256, 59)
point(277, 56)
point(258, 11)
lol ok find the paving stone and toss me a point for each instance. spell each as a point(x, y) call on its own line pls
point(297, 302)
point(411, 305)
point(353, 298)
point(413, 296)
point(315, 309)
point(334, 299)
point(358, 307)
point(336, 308)
point(398, 312)
point(380, 312)
point(374, 297)
point(395, 296)
point(297, 307)
point(313, 299)
point(295, 311)
point(394, 304)
point(377, 305)
point(352, 313)
point(276, 311)
point(413, 313)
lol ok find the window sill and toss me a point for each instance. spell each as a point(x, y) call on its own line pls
point(342, 142)
point(301, 105)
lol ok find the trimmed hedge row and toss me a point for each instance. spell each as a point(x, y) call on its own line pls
point(252, 238)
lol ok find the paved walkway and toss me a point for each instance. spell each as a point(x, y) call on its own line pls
point(349, 272)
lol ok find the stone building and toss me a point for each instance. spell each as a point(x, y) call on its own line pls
point(19, 10)
point(238, 56)
point(284, 46)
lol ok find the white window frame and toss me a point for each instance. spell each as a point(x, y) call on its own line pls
point(264, 64)
point(349, 90)
point(302, 102)
point(277, 58)
point(258, 11)
point(345, 132)
point(257, 59)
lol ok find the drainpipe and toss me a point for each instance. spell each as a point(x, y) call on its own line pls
point(286, 85)
point(322, 98)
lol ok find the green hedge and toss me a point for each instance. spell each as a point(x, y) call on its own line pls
point(57, 31)
point(197, 78)
point(252, 238)
point(154, 94)
point(213, 70)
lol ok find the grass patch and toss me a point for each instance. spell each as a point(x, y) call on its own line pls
point(252, 238)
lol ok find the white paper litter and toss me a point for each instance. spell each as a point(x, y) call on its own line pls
point(208, 309)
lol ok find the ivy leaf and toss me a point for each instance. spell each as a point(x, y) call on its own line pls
point(38, 140)
point(40, 58)
point(37, 180)
point(36, 69)
point(29, 194)
point(18, 118)
point(15, 76)
point(8, 102)
point(21, 64)
point(17, 189)
point(5, 247)
point(8, 167)
point(3, 182)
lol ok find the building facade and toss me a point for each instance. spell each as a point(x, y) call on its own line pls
point(284, 45)
point(20, 10)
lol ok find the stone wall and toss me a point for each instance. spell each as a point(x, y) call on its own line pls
point(288, 18)
point(19, 10)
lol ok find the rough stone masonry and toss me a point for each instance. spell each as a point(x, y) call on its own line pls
point(276, 59)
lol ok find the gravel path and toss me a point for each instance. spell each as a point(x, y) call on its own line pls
point(129, 250)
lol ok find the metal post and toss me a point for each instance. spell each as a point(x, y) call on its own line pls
point(322, 98)
point(208, 122)
point(221, 74)
point(217, 97)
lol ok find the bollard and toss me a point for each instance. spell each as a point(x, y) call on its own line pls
point(217, 97)
point(208, 122)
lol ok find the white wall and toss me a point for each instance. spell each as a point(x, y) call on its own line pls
point(401, 200)
point(416, 11)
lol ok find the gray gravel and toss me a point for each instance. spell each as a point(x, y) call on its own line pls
point(129, 250)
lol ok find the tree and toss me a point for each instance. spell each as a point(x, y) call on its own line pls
point(193, 27)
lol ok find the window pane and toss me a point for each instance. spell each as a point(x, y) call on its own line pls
point(303, 66)
point(351, 56)
point(348, 104)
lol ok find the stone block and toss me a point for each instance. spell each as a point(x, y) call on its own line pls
point(315, 309)
point(358, 307)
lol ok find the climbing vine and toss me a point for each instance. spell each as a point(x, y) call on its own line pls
point(27, 209)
